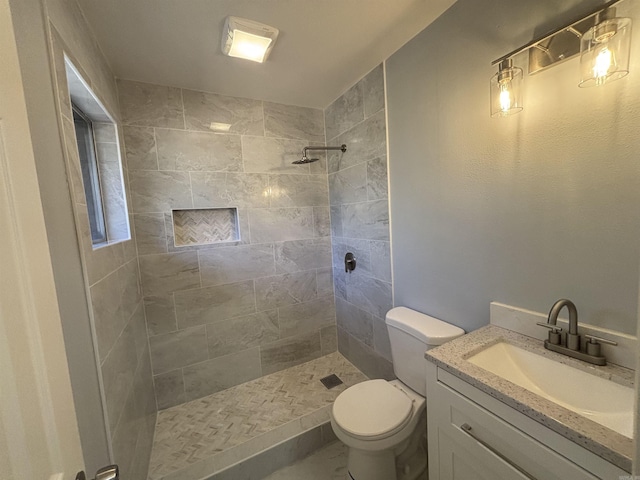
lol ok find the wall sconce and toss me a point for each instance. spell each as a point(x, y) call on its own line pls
point(604, 50)
point(604, 44)
point(506, 89)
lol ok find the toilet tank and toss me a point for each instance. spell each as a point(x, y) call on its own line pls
point(411, 334)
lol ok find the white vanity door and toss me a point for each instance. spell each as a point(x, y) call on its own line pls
point(464, 460)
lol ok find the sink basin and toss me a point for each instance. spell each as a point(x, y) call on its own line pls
point(601, 400)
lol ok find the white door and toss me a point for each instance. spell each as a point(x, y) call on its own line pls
point(38, 430)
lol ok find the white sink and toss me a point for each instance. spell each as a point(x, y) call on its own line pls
point(596, 398)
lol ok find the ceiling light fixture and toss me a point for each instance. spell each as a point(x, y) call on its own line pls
point(602, 40)
point(243, 38)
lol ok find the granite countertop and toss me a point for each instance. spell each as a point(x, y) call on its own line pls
point(602, 441)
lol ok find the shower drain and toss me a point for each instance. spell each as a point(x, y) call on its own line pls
point(331, 381)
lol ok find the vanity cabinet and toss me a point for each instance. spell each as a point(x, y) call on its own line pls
point(472, 435)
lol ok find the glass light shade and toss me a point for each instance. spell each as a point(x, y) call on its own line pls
point(506, 90)
point(604, 52)
point(248, 46)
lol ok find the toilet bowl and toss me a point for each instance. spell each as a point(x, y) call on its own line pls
point(384, 423)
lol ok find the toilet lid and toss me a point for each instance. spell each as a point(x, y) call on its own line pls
point(371, 409)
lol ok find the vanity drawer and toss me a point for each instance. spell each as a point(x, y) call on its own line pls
point(472, 439)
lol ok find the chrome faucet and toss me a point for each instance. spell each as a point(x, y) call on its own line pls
point(571, 346)
point(573, 339)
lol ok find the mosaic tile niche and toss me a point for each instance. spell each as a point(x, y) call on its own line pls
point(205, 226)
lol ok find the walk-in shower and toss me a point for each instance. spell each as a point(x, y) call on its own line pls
point(306, 159)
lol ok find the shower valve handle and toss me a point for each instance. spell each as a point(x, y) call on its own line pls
point(349, 262)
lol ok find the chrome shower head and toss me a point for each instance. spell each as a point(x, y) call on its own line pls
point(305, 159)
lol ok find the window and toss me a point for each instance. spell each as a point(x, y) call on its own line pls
point(90, 175)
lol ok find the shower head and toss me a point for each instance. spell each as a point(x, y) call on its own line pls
point(305, 159)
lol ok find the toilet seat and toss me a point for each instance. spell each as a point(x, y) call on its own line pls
point(372, 410)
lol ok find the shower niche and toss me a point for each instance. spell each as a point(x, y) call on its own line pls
point(205, 226)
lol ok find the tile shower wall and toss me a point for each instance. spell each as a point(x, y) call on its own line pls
point(112, 274)
point(222, 314)
point(360, 223)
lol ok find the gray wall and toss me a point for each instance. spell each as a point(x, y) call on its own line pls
point(223, 314)
point(522, 210)
point(360, 223)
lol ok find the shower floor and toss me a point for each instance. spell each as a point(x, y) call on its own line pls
point(217, 433)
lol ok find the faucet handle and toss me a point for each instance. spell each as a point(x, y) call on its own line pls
point(594, 339)
point(554, 332)
point(593, 347)
point(553, 328)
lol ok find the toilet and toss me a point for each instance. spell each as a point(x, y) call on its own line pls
point(384, 422)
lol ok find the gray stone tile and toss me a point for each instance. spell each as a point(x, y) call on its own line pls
point(355, 321)
point(348, 185)
point(287, 289)
point(130, 291)
point(366, 141)
point(198, 151)
point(343, 341)
point(169, 272)
point(139, 327)
point(150, 233)
point(373, 91)
point(117, 375)
point(202, 111)
point(125, 437)
point(324, 280)
point(230, 189)
point(178, 349)
point(381, 342)
point(359, 248)
point(381, 260)
point(287, 121)
point(321, 222)
point(290, 351)
point(336, 221)
point(329, 339)
point(107, 313)
point(345, 112)
point(368, 361)
point(299, 255)
point(161, 314)
point(241, 333)
point(169, 389)
point(306, 317)
point(234, 264)
point(143, 390)
point(368, 220)
point(154, 192)
point(142, 455)
point(221, 373)
point(150, 105)
point(369, 294)
point(340, 283)
point(377, 185)
point(104, 132)
point(319, 167)
point(140, 145)
point(298, 190)
point(272, 155)
point(214, 304)
point(280, 224)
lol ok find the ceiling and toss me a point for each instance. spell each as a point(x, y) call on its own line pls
point(324, 46)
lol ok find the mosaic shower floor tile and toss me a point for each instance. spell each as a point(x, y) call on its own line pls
point(209, 434)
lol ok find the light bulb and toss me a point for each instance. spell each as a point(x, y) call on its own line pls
point(505, 97)
point(602, 65)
